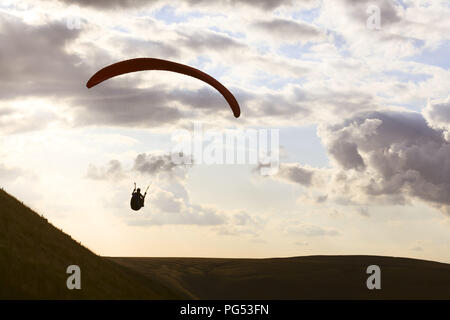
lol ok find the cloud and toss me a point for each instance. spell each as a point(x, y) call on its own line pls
point(390, 14)
point(391, 153)
point(168, 197)
point(168, 209)
point(309, 230)
point(243, 218)
point(142, 46)
point(208, 40)
point(119, 106)
point(363, 211)
point(154, 164)
point(144, 163)
point(59, 75)
point(19, 121)
point(242, 223)
point(8, 173)
point(113, 171)
point(167, 202)
point(51, 73)
point(385, 157)
point(288, 30)
point(295, 173)
point(120, 4)
point(437, 112)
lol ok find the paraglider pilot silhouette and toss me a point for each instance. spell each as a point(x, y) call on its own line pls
point(137, 198)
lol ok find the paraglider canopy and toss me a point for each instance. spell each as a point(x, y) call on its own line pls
point(141, 64)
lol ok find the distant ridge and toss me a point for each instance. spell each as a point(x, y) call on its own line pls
point(310, 277)
point(34, 256)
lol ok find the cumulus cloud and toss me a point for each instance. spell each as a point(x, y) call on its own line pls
point(384, 157)
point(296, 174)
point(437, 112)
point(392, 153)
point(154, 164)
point(167, 196)
point(168, 209)
point(144, 163)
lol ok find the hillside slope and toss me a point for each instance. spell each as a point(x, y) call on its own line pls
point(34, 256)
point(311, 277)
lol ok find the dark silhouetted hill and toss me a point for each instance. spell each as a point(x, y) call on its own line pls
point(311, 277)
point(34, 256)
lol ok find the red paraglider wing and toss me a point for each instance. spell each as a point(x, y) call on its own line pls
point(141, 64)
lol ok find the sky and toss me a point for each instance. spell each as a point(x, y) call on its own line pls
point(357, 93)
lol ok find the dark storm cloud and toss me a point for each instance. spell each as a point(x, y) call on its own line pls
point(401, 154)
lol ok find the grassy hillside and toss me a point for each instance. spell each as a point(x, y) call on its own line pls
point(34, 256)
point(313, 277)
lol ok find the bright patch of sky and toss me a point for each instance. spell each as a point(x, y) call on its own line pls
point(270, 81)
point(237, 35)
point(215, 69)
point(304, 146)
point(295, 51)
point(308, 15)
point(170, 14)
point(436, 57)
point(408, 77)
